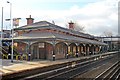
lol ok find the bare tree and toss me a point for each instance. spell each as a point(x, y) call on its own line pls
point(107, 33)
point(79, 27)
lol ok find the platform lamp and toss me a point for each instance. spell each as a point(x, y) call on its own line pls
point(11, 28)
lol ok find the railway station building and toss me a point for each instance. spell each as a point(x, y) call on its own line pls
point(45, 40)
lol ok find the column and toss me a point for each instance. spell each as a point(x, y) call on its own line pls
point(87, 50)
point(77, 51)
point(90, 50)
point(102, 49)
point(68, 51)
point(53, 56)
point(29, 51)
point(84, 49)
point(94, 49)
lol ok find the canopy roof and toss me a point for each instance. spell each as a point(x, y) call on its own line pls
point(51, 35)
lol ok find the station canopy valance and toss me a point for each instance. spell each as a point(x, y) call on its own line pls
point(56, 36)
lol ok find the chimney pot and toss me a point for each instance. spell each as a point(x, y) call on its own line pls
point(30, 16)
point(30, 20)
point(71, 25)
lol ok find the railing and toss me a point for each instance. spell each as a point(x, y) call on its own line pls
point(3, 50)
point(15, 57)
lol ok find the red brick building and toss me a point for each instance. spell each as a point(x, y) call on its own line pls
point(44, 40)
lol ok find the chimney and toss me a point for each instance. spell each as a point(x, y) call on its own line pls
point(71, 25)
point(30, 20)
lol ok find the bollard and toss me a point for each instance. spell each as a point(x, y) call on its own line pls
point(53, 57)
point(67, 55)
point(29, 55)
point(9, 56)
point(77, 54)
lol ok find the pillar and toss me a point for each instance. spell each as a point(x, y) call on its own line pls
point(102, 49)
point(53, 55)
point(68, 51)
point(87, 49)
point(84, 49)
point(77, 51)
point(29, 51)
point(92, 49)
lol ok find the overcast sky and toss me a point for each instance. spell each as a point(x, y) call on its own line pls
point(96, 15)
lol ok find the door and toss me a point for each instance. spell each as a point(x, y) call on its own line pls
point(42, 54)
point(35, 52)
point(39, 51)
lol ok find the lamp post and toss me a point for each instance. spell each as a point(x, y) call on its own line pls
point(11, 29)
point(111, 43)
point(1, 30)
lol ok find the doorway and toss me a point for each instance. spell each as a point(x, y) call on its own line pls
point(39, 51)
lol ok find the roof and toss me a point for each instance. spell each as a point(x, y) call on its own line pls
point(50, 35)
point(48, 25)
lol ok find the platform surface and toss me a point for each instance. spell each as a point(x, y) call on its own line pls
point(6, 67)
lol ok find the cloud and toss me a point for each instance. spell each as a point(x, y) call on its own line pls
point(97, 17)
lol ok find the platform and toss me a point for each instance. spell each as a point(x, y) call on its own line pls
point(21, 66)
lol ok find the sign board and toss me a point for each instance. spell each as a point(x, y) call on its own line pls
point(41, 45)
point(16, 21)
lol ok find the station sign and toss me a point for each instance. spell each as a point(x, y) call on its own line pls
point(41, 45)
